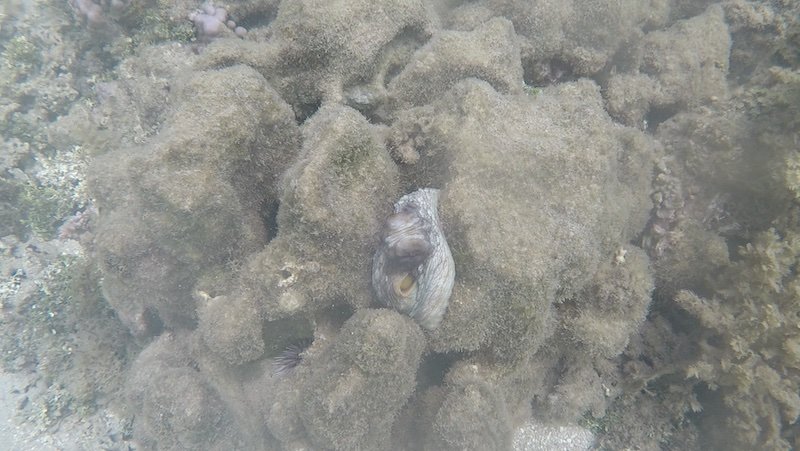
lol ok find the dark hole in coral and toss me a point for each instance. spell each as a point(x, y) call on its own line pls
point(681, 321)
point(658, 115)
point(734, 245)
point(338, 314)
point(256, 19)
point(280, 334)
point(715, 341)
point(781, 58)
point(26, 102)
point(647, 360)
point(305, 110)
point(549, 72)
point(400, 49)
point(374, 116)
point(392, 72)
point(285, 274)
point(152, 323)
point(433, 369)
point(269, 214)
point(711, 419)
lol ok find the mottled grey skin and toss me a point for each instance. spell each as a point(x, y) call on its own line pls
point(414, 250)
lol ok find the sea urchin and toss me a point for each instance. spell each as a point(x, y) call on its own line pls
point(290, 357)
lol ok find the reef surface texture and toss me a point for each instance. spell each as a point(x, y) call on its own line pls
point(617, 181)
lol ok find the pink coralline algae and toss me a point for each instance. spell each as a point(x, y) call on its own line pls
point(96, 12)
point(91, 11)
point(211, 21)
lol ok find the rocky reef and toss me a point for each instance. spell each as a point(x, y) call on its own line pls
point(208, 177)
point(532, 248)
point(617, 183)
point(234, 232)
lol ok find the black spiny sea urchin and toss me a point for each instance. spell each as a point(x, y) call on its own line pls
point(290, 357)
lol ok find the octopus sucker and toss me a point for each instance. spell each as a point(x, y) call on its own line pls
point(413, 270)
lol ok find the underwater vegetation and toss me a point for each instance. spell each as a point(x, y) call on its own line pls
point(579, 225)
point(749, 343)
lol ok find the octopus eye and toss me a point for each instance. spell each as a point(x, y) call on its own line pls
point(403, 285)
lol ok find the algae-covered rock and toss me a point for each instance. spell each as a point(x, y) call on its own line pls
point(319, 47)
point(729, 167)
point(176, 406)
point(539, 192)
point(232, 329)
point(192, 199)
point(473, 414)
point(356, 390)
point(563, 38)
point(699, 248)
point(329, 216)
point(683, 66)
point(610, 309)
point(489, 52)
point(542, 196)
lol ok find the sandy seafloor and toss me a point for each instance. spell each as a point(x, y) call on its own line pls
point(189, 190)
